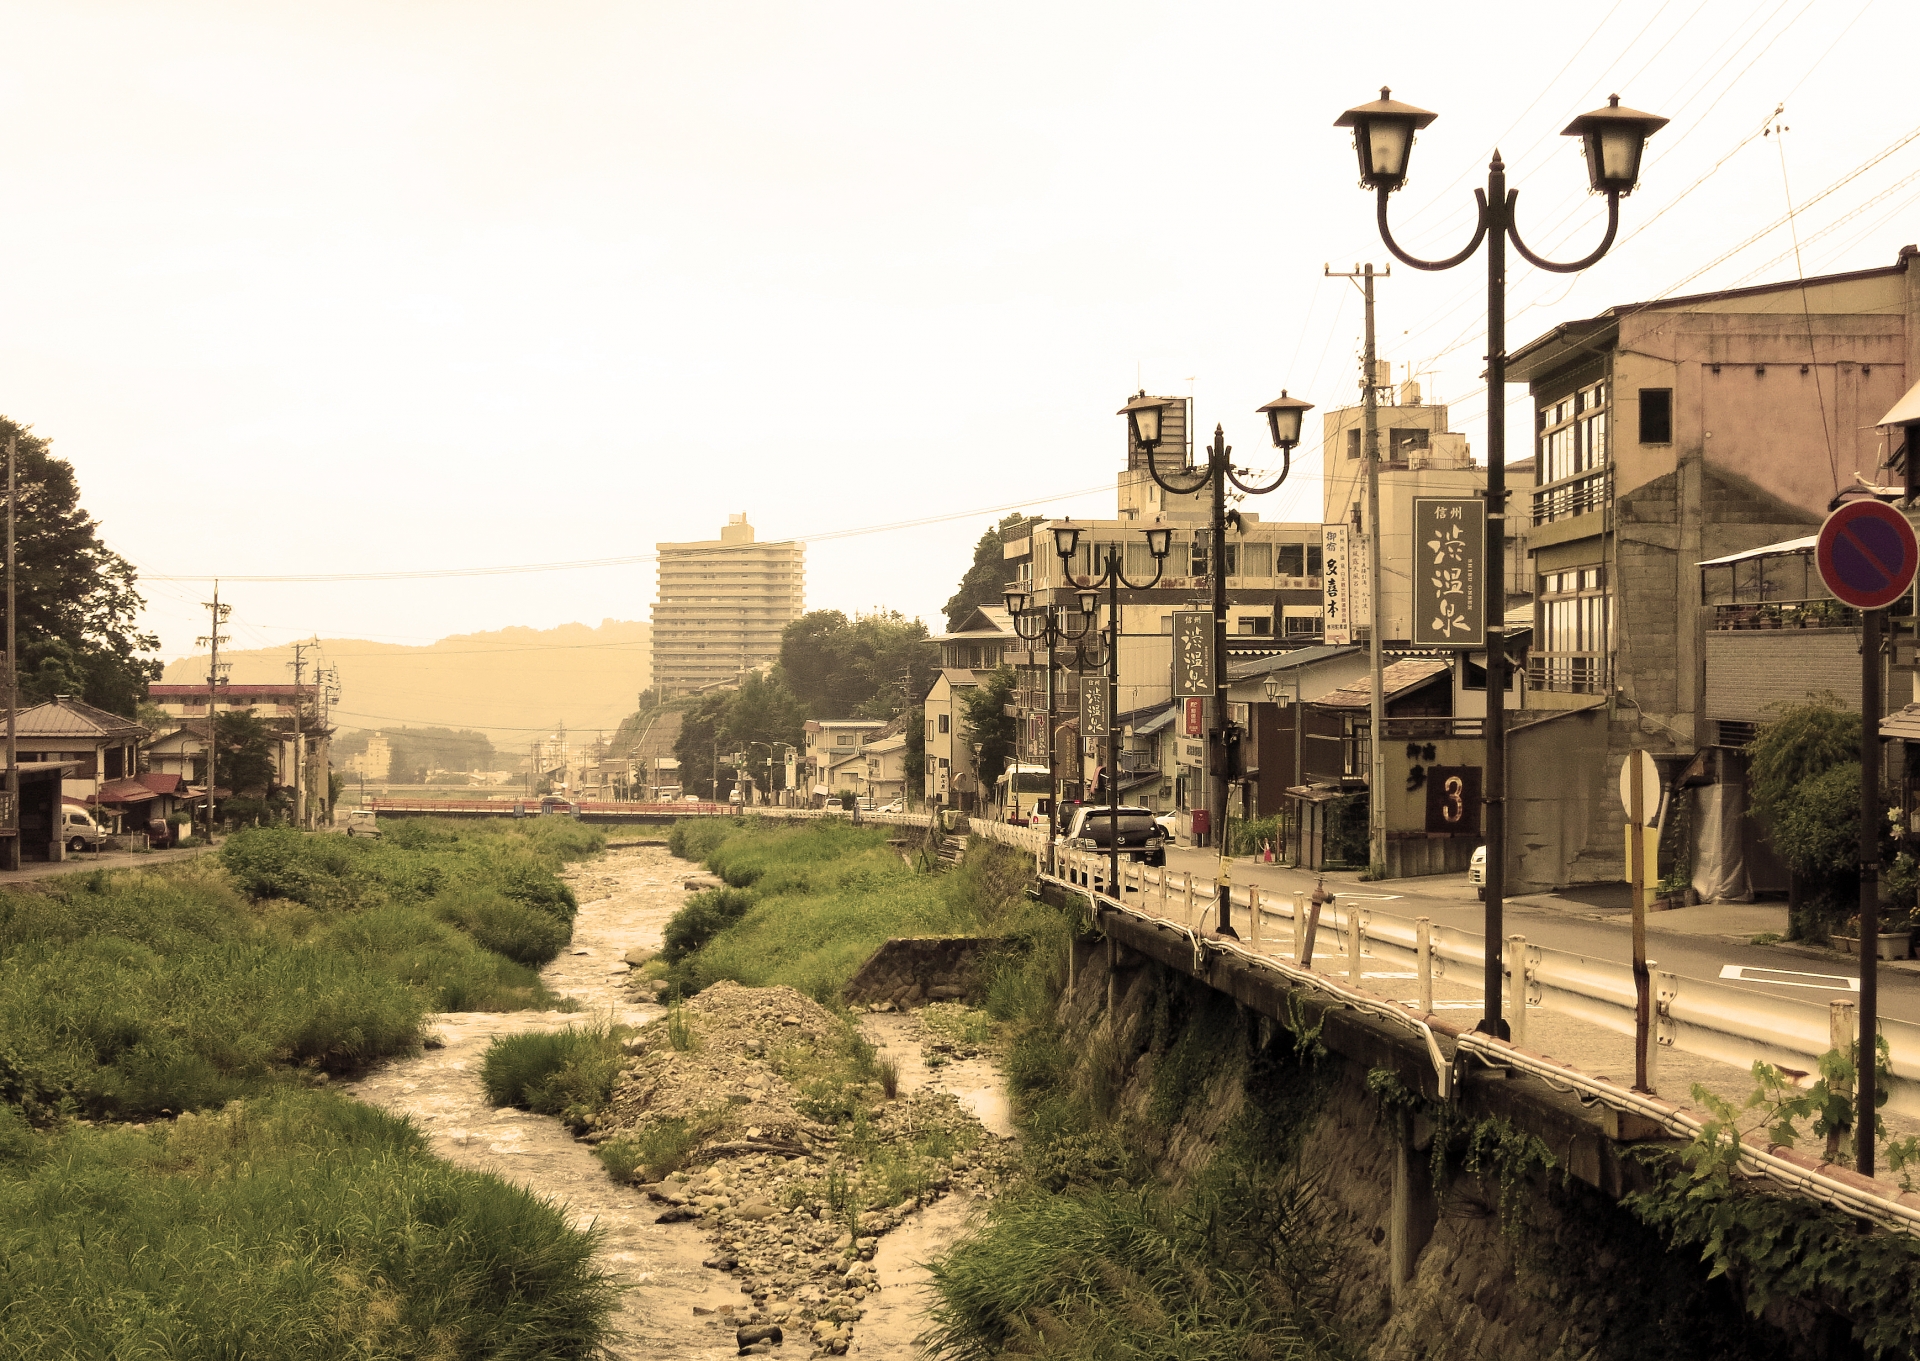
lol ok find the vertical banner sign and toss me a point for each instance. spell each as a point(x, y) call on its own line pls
point(1334, 584)
point(1193, 654)
point(1449, 571)
point(1196, 724)
point(1094, 718)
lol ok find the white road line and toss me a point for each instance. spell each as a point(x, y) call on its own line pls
point(1787, 978)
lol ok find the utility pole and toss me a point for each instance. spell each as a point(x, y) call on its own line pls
point(218, 614)
point(13, 683)
point(299, 740)
point(1370, 407)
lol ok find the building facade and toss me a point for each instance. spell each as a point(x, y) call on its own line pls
point(721, 608)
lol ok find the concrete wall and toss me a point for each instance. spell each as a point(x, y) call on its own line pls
point(1563, 823)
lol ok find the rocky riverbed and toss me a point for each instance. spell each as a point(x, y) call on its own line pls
point(789, 1225)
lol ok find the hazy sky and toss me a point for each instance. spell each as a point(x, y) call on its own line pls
point(307, 288)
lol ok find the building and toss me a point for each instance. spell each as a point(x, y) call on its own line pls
point(950, 776)
point(886, 773)
point(721, 608)
point(376, 761)
point(832, 753)
point(96, 746)
point(1669, 434)
point(182, 749)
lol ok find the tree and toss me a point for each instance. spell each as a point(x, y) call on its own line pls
point(989, 724)
point(862, 667)
point(986, 578)
point(77, 632)
point(694, 747)
point(1803, 774)
point(763, 709)
point(244, 748)
point(915, 760)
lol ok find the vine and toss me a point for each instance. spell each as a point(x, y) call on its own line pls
point(1306, 1040)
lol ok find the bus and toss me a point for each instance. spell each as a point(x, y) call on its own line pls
point(1020, 791)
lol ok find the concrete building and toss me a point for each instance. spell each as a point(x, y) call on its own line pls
point(832, 752)
point(722, 605)
point(1669, 434)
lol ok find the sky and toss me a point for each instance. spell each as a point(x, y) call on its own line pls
point(383, 289)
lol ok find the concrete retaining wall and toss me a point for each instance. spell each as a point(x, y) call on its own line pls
point(911, 971)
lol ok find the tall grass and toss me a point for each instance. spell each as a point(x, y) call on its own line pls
point(301, 1225)
point(567, 1072)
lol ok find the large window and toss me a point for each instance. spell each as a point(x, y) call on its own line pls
point(1573, 434)
point(1575, 615)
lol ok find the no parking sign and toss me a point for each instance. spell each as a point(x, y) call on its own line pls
point(1866, 554)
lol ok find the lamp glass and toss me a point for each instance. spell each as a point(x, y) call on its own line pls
point(1387, 141)
point(1285, 425)
point(1089, 602)
point(1159, 542)
point(1619, 154)
point(1146, 424)
point(1016, 601)
point(1274, 687)
point(1066, 539)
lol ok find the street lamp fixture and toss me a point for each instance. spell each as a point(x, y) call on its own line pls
point(1066, 540)
point(1613, 139)
point(1159, 543)
point(1284, 417)
point(1143, 415)
point(1090, 599)
point(1016, 602)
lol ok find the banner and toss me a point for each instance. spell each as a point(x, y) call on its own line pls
point(1335, 583)
point(1450, 571)
point(1094, 718)
point(1193, 654)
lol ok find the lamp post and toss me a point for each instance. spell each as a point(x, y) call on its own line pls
point(1284, 418)
point(1613, 139)
point(1049, 626)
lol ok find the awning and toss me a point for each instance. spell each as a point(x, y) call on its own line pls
point(1771, 550)
point(1906, 411)
point(1157, 722)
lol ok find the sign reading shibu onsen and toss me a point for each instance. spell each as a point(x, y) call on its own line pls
point(1449, 571)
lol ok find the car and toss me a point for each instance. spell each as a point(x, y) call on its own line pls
point(363, 822)
point(80, 831)
point(553, 803)
point(1091, 827)
point(690, 798)
point(896, 806)
point(1477, 871)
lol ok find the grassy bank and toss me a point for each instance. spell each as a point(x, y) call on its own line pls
point(806, 903)
point(171, 1183)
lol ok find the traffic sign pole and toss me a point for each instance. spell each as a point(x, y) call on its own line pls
point(1642, 982)
point(1870, 815)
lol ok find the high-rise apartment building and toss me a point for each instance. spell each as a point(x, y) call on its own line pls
point(722, 605)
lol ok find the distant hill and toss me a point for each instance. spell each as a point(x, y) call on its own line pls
point(514, 684)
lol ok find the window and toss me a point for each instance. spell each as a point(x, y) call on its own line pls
point(943, 763)
point(1574, 624)
point(1256, 559)
point(1656, 415)
point(844, 739)
point(1353, 444)
point(1573, 434)
point(1302, 624)
point(1404, 445)
point(1292, 560)
point(945, 720)
point(1256, 625)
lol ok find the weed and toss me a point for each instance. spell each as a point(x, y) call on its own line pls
point(680, 1033)
point(526, 935)
point(567, 1073)
point(661, 1148)
point(889, 1078)
point(1766, 938)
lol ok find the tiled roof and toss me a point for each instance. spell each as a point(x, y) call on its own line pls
point(1395, 680)
point(71, 718)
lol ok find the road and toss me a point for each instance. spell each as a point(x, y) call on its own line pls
point(96, 860)
point(1695, 942)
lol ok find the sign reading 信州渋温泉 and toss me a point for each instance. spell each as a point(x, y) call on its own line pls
point(1449, 571)
point(1335, 584)
point(1193, 654)
point(1094, 719)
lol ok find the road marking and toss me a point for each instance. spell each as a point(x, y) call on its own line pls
point(1371, 974)
point(1787, 978)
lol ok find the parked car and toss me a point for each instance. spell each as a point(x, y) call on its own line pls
point(363, 822)
point(553, 803)
point(1477, 871)
point(80, 831)
point(690, 798)
point(1140, 839)
point(896, 806)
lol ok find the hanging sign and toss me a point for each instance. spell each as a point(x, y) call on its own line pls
point(1334, 584)
point(1094, 718)
point(1196, 718)
point(1449, 571)
point(1193, 654)
point(1866, 554)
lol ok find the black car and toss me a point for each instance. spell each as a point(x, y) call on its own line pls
point(1091, 828)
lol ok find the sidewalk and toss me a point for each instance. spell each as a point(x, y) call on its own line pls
point(87, 861)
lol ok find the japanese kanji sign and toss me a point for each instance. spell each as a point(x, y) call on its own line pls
point(1093, 706)
point(1335, 587)
point(1449, 571)
point(1193, 654)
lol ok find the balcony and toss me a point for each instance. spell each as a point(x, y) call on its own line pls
point(1571, 673)
point(1582, 494)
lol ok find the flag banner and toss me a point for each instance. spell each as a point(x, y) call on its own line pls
point(1449, 571)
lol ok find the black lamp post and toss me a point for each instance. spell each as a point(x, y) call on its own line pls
point(1284, 418)
point(1159, 541)
point(1050, 625)
point(1613, 139)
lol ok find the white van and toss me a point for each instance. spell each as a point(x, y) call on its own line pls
point(363, 822)
point(80, 831)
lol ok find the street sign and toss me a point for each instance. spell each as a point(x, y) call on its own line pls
point(1450, 571)
point(1193, 654)
point(1866, 554)
point(1335, 585)
point(1094, 718)
point(1653, 798)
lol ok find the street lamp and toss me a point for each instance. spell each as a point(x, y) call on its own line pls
point(1294, 688)
point(1613, 139)
point(1052, 625)
point(1284, 418)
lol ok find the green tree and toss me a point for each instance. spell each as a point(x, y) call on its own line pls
point(986, 577)
point(1803, 775)
point(989, 724)
point(245, 747)
point(77, 629)
point(870, 666)
point(700, 725)
point(763, 709)
point(915, 761)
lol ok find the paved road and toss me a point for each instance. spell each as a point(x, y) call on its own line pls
point(1696, 942)
point(96, 860)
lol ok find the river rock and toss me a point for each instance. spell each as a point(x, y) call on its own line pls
point(677, 1214)
point(759, 1332)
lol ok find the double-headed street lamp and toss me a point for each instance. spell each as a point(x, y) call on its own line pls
point(1051, 625)
point(1113, 577)
point(1285, 416)
point(1613, 139)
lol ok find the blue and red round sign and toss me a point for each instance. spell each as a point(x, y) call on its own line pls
point(1866, 554)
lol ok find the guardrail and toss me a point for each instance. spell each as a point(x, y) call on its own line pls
point(1695, 1016)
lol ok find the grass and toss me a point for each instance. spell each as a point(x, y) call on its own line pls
point(659, 1149)
point(298, 1225)
point(806, 904)
point(568, 1073)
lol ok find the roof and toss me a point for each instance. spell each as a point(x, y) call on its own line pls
point(1160, 720)
point(1300, 656)
point(1902, 723)
point(1396, 680)
point(958, 675)
point(816, 724)
point(63, 717)
point(282, 689)
point(885, 745)
point(1804, 544)
point(1906, 411)
point(985, 621)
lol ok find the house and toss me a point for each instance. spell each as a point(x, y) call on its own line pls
point(828, 745)
point(98, 746)
point(182, 750)
point(886, 772)
point(38, 836)
point(1272, 748)
point(950, 778)
point(141, 800)
point(1669, 434)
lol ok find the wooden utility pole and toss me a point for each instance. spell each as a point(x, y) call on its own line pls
point(13, 680)
point(1370, 408)
point(218, 613)
point(299, 739)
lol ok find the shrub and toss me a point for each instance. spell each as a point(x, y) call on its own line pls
point(408, 944)
point(567, 1072)
point(705, 916)
point(498, 923)
point(659, 1149)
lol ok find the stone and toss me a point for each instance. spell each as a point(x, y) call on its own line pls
point(678, 1214)
point(768, 1332)
point(756, 1209)
point(638, 955)
point(721, 1261)
point(582, 952)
